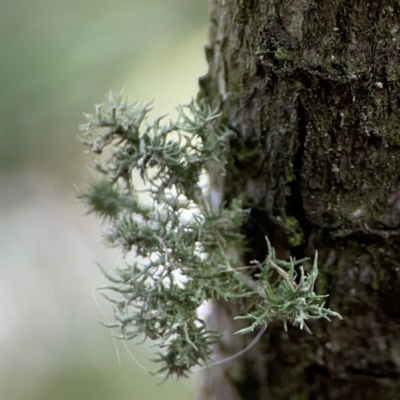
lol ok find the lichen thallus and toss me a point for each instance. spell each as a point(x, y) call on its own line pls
point(187, 243)
point(138, 363)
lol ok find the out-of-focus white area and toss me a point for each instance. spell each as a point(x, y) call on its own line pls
point(50, 343)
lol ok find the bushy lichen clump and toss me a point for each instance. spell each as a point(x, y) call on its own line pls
point(186, 251)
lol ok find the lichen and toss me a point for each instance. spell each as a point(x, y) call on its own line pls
point(188, 246)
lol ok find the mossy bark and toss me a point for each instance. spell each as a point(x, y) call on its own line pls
point(312, 89)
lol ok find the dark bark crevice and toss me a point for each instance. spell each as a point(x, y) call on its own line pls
point(294, 205)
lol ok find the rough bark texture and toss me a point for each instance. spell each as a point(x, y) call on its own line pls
point(312, 89)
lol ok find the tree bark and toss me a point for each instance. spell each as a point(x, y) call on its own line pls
point(312, 89)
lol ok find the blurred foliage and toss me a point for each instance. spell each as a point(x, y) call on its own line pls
point(59, 55)
point(85, 382)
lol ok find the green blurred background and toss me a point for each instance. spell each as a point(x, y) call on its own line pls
point(59, 58)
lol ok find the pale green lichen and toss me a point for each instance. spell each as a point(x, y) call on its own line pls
point(186, 251)
point(281, 53)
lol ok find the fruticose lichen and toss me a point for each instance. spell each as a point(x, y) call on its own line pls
point(187, 248)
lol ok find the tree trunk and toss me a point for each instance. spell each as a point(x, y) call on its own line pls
point(312, 89)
